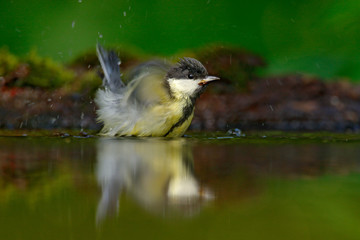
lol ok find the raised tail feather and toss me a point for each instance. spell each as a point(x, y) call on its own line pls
point(110, 64)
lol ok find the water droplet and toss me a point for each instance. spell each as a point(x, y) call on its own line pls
point(73, 24)
point(80, 1)
point(124, 14)
point(224, 137)
point(236, 132)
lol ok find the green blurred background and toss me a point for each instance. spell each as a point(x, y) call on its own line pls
point(316, 37)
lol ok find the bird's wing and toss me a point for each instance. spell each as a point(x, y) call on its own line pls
point(149, 85)
point(110, 64)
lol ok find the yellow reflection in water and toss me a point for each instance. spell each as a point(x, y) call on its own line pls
point(156, 173)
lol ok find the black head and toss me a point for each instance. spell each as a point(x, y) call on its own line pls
point(187, 68)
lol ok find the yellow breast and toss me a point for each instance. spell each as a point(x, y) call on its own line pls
point(164, 120)
point(181, 129)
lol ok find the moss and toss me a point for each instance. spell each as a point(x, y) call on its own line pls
point(44, 73)
point(234, 66)
point(8, 62)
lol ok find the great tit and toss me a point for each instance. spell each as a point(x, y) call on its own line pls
point(158, 100)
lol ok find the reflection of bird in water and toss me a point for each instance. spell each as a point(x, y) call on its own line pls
point(156, 173)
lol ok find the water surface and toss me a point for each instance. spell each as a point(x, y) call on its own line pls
point(254, 187)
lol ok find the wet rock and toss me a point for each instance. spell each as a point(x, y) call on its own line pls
point(30, 98)
point(291, 102)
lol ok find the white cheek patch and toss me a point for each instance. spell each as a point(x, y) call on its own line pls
point(185, 87)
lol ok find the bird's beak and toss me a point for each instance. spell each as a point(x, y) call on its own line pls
point(207, 80)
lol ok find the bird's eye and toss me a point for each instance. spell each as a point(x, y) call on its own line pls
point(190, 76)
